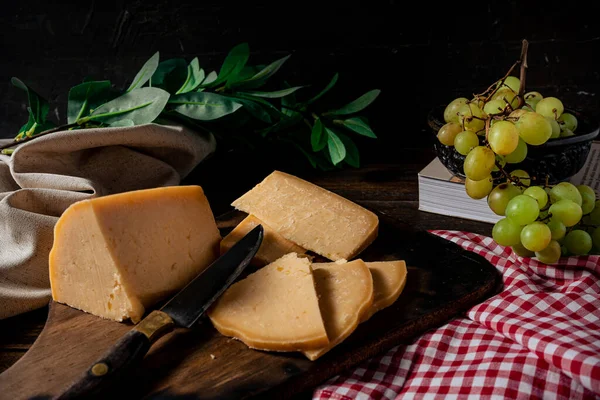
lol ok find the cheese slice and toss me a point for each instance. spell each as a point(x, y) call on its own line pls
point(345, 295)
point(273, 246)
point(389, 279)
point(275, 308)
point(116, 255)
point(311, 216)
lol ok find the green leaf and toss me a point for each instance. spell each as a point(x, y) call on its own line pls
point(261, 76)
point(39, 106)
point(357, 105)
point(122, 123)
point(145, 73)
point(165, 68)
point(358, 125)
point(274, 95)
point(331, 84)
point(336, 148)
point(29, 123)
point(318, 138)
point(255, 109)
point(352, 154)
point(273, 111)
point(232, 65)
point(195, 76)
point(210, 78)
point(204, 106)
point(141, 105)
point(86, 96)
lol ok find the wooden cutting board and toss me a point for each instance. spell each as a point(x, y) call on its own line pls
point(443, 280)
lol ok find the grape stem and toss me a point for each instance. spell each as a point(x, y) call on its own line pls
point(523, 74)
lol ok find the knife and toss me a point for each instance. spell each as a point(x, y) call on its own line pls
point(182, 310)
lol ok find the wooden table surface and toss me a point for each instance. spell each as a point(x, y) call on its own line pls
point(389, 187)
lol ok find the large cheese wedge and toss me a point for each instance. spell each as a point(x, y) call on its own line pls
point(345, 295)
point(116, 255)
point(273, 246)
point(275, 308)
point(311, 216)
point(389, 279)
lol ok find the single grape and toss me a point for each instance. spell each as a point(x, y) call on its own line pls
point(494, 107)
point(479, 163)
point(465, 141)
point(471, 117)
point(532, 98)
point(523, 176)
point(567, 121)
point(511, 82)
point(522, 209)
point(565, 190)
point(533, 128)
point(506, 232)
point(518, 154)
point(550, 107)
point(503, 137)
point(521, 251)
point(551, 254)
point(555, 128)
point(578, 242)
point(507, 96)
point(451, 110)
point(535, 236)
point(517, 113)
point(448, 132)
point(539, 194)
point(588, 198)
point(557, 229)
point(596, 238)
point(566, 133)
point(479, 189)
point(500, 196)
point(593, 218)
point(566, 211)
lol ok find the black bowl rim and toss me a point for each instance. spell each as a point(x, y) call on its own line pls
point(564, 141)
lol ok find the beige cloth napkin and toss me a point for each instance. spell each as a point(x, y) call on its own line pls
point(43, 177)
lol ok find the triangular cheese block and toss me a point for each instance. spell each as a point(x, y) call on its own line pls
point(311, 216)
point(275, 308)
point(116, 255)
point(389, 279)
point(345, 295)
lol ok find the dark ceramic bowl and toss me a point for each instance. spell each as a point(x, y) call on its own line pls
point(559, 159)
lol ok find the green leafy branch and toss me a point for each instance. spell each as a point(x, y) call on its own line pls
point(239, 104)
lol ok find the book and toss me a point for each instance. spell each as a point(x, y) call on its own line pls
point(442, 192)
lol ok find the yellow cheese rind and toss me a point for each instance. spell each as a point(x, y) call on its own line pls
point(345, 295)
point(273, 246)
point(275, 308)
point(115, 256)
point(311, 216)
point(389, 279)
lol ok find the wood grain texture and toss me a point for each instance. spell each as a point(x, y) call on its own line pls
point(443, 280)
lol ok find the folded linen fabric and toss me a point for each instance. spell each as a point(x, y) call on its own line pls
point(46, 175)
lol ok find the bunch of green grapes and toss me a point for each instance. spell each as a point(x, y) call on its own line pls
point(495, 128)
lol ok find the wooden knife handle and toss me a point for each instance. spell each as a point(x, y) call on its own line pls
point(103, 375)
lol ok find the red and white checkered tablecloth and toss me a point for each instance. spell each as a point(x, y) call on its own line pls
point(538, 339)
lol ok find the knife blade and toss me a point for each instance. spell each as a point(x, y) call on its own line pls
point(182, 310)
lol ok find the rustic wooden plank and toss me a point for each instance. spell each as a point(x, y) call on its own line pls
point(443, 280)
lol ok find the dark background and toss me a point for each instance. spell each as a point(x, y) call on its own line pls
point(418, 53)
